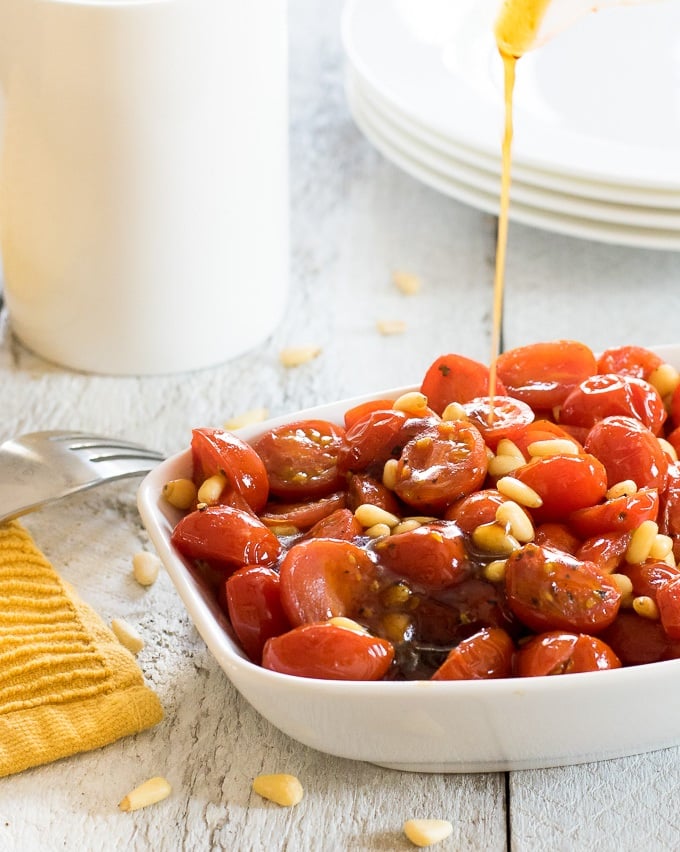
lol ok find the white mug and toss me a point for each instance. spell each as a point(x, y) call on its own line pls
point(144, 179)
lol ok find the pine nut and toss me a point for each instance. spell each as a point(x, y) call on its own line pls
point(665, 379)
point(408, 283)
point(368, 515)
point(621, 489)
point(396, 626)
point(127, 635)
point(406, 526)
point(426, 832)
point(211, 489)
point(506, 447)
point(145, 567)
point(623, 583)
point(641, 542)
point(154, 790)
point(377, 531)
point(669, 559)
point(504, 464)
point(180, 493)
point(413, 402)
point(552, 447)
point(515, 489)
point(347, 624)
point(514, 519)
point(390, 327)
point(646, 607)
point(254, 415)
point(454, 411)
point(283, 789)
point(492, 538)
point(389, 476)
point(661, 547)
point(668, 448)
point(494, 572)
point(294, 356)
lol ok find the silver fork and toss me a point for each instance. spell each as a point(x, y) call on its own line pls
point(42, 467)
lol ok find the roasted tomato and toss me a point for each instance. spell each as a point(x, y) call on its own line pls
point(557, 653)
point(302, 515)
point(454, 378)
point(564, 483)
point(610, 395)
point(377, 437)
point(254, 607)
point(629, 361)
point(497, 418)
point(628, 450)
point(620, 514)
point(484, 655)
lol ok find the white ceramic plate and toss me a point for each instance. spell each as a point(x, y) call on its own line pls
point(429, 726)
point(466, 187)
point(598, 102)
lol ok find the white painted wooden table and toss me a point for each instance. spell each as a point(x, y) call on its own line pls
point(355, 218)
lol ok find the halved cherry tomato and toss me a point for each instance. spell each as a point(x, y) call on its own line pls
point(637, 641)
point(649, 577)
point(329, 652)
point(542, 430)
point(502, 417)
point(543, 374)
point(557, 653)
point(628, 450)
point(432, 556)
point(629, 361)
point(610, 395)
point(358, 412)
point(477, 508)
point(564, 483)
point(341, 524)
point(455, 378)
point(440, 465)
point(362, 488)
point(322, 578)
point(675, 406)
point(550, 590)
point(558, 536)
point(225, 537)
point(254, 608)
point(668, 601)
point(607, 550)
point(619, 514)
point(217, 451)
point(484, 655)
point(377, 437)
point(302, 515)
point(301, 458)
point(669, 503)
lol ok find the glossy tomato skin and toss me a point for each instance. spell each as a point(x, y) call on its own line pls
point(441, 465)
point(668, 601)
point(454, 378)
point(254, 607)
point(557, 653)
point(377, 437)
point(543, 374)
point(607, 551)
point(432, 556)
point(637, 641)
point(628, 450)
point(477, 508)
point(301, 458)
point(328, 652)
point(610, 395)
point(502, 417)
point(322, 578)
point(557, 536)
point(341, 524)
point(218, 451)
point(629, 361)
point(304, 514)
point(225, 537)
point(565, 483)
point(362, 488)
point(482, 656)
point(620, 514)
point(549, 590)
point(542, 430)
point(363, 409)
point(649, 577)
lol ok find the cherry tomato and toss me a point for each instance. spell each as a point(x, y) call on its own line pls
point(543, 374)
point(504, 417)
point(454, 378)
point(619, 514)
point(442, 464)
point(675, 406)
point(301, 458)
point(329, 652)
point(558, 536)
point(550, 590)
point(254, 608)
point(669, 503)
point(542, 430)
point(225, 537)
point(484, 655)
point(341, 524)
point(477, 508)
point(637, 641)
point(432, 555)
point(362, 488)
point(668, 601)
point(629, 361)
point(358, 412)
point(322, 578)
point(377, 437)
point(607, 550)
point(557, 653)
point(609, 395)
point(673, 439)
point(216, 451)
point(302, 515)
point(628, 450)
point(564, 483)
point(648, 577)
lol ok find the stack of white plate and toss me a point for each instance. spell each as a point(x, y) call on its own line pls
point(596, 151)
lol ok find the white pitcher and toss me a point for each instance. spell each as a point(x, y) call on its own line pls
point(143, 179)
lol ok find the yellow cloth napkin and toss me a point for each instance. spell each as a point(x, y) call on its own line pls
point(66, 684)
